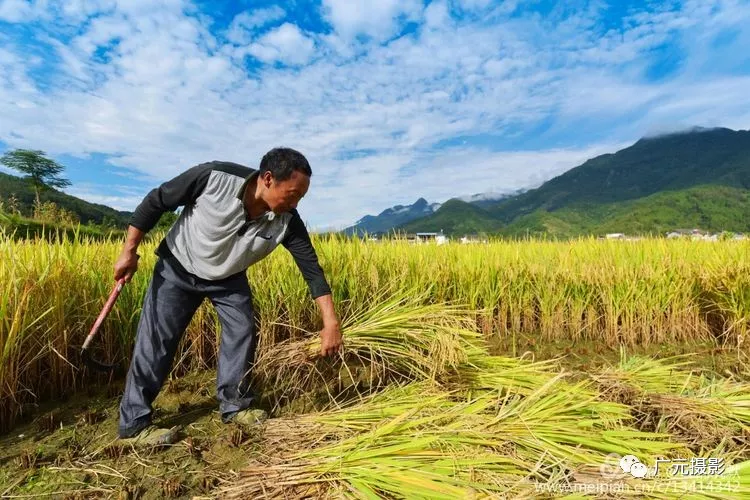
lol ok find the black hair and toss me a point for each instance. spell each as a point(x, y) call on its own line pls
point(281, 162)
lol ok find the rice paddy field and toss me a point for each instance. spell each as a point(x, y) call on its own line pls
point(514, 369)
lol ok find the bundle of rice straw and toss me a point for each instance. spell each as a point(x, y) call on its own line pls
point(666, 396)
point(419, 441)
point(400, 338)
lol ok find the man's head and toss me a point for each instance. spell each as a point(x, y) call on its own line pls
point(283, 179)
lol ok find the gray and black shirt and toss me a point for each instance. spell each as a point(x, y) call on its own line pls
point(214, 236)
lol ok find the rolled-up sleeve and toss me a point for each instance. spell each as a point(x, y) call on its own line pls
point(297, 241)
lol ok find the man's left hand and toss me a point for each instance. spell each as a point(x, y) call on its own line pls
point(330, 339)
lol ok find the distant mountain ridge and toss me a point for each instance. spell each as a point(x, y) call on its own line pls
point(86, 211)
point(399, 215)
point(455, 216)
point(698, 178)
point(664, 163)
point(392, 217)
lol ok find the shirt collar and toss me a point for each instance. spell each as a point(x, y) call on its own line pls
point(248, 180)
point(269, 215)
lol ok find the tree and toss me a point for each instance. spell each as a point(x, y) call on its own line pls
point(42, 172)
point(109, 222)
point(166, 221)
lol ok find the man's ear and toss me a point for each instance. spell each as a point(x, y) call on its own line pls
point(267, 178)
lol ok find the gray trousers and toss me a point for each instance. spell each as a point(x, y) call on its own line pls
point(171, 300)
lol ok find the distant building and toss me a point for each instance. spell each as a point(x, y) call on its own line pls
point(700, 235)
point(686, 233)
point(438, 238)
point(615, 236)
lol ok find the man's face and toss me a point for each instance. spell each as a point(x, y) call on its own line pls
point(282, 196)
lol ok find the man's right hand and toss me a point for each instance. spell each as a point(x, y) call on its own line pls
point(126, 265)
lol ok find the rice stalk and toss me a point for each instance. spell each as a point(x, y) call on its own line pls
point(649, 375)
point(403, 457)
point(418, 441)
point(613, 293)
point(666, 397)
point(397, 339)
point(502, 373)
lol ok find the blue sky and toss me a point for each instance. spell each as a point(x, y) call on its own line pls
point(390, 100)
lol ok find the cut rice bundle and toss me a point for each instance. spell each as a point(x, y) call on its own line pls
point(665, 396)
point(415, 441)
point(397, 340)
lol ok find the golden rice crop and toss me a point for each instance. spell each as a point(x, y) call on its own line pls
point(613, 293)
point(415, 407)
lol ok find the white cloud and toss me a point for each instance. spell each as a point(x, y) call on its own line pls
point(474, 170)
point(14, 11)
point(286, 44)
point(378, 20)
point(436, 14)
point(244, 24)
point(119, 201)
point(369, 185)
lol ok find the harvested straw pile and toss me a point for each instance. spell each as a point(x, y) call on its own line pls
point(665, 395)
point(645, 375)
point(437, 417)
point(418, 441)
point(397, 340)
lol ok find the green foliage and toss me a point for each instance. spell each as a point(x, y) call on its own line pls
point(42, 172)
point(26, 228)
point(108, 222)
point(166, 221)
point(19, 197)
point(711, 208)
point(455, 217)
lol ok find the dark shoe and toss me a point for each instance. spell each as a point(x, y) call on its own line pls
point(249, 418)
point(153, 436)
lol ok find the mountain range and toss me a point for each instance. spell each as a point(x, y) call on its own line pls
point(694, 179)
point(21, 190)
point(392, 217)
